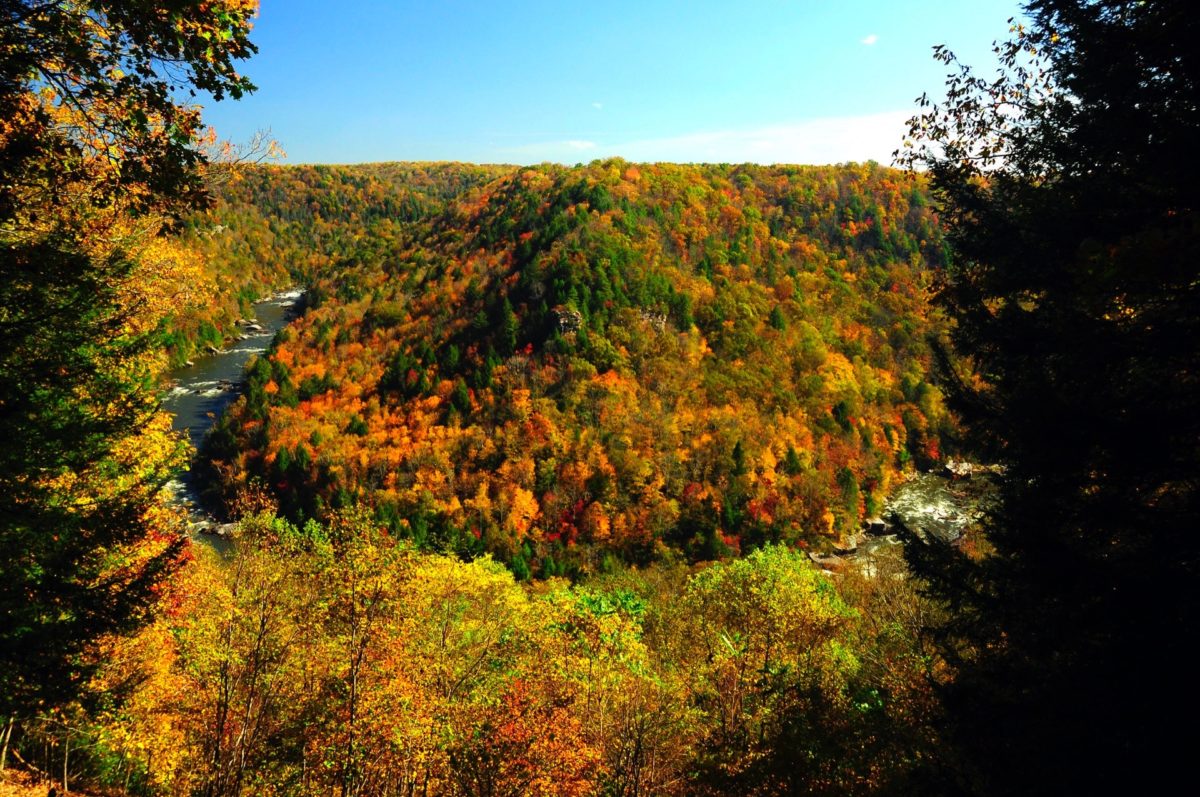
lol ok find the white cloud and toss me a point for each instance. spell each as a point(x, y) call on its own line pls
point(597, 105)
point(870, 39)
point(814, 141)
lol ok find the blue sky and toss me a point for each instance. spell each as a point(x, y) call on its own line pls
point(770, 81)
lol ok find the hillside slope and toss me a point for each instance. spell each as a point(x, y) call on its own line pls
point(612, 358)
point(271, 227)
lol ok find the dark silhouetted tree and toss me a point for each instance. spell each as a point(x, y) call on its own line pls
point(1069, 187)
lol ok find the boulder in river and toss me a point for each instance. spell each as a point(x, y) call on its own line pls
point(847, 546)
point(959, 470)
point(933, 504)
point(828, 563)
point(876, 526)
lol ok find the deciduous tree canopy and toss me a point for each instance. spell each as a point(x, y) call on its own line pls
point(564, 362)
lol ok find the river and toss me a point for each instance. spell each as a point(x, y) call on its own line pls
point(201, 391)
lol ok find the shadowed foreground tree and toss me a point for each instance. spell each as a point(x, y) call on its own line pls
point(96, 156)
point(1069, 185)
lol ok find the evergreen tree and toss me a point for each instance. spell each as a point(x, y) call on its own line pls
point(1069, 185)
point(508, 328)
point(96, 156)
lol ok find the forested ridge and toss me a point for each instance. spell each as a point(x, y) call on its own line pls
point(617, 358)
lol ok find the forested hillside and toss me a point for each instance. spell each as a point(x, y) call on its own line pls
point(273, 227)
point(638, 359)
point(703, 368)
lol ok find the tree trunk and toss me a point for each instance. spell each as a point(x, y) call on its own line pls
point(4, 740)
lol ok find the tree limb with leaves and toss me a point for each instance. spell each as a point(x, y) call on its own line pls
point(97, 156)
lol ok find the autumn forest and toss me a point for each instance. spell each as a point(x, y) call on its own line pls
point(584, 480)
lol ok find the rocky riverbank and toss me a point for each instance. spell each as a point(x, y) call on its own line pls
point(943, 504)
